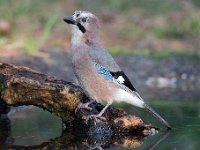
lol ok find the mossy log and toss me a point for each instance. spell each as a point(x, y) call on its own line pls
point(23, 86)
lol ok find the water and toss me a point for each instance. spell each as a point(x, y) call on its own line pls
point(38, 129)
point(185, 120)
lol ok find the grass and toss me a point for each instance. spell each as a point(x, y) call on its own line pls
point(186, 28)
point(51, 21)
point(25, 17)
point(167, 53)
point(117, 51)
point(30, 45)
point(3, 40)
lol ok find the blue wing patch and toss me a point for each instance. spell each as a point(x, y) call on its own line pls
point(102, 70)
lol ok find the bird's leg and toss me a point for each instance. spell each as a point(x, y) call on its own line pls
point(84, 105)
point(104, 109)
point(99, 116)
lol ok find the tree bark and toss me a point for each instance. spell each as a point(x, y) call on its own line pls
point(23, 86)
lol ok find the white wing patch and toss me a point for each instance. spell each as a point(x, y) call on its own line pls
point(120, 79)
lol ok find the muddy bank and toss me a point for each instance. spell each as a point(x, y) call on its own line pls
point(171, 78)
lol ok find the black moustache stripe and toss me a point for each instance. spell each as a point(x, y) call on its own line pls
point(81, 28)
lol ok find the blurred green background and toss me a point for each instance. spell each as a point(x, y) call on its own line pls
point(155, 25)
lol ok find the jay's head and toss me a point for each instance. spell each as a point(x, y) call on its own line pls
point(83, 23)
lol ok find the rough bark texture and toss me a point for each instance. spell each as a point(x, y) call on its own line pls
point(23, 86)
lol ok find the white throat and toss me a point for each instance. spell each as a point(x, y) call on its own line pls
point(76, 36)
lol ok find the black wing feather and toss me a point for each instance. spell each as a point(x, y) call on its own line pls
point(126, 80)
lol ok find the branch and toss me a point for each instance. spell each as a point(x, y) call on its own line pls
point(23, 86)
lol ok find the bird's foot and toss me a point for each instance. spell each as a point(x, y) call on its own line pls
point(84, 106)
point(97, 118)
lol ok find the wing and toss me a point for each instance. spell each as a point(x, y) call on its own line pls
point(123, 79)
point(108, 64)
point(101, 56)
point(120, 78)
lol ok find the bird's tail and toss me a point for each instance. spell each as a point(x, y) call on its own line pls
point(135, 94)
point(157, 115)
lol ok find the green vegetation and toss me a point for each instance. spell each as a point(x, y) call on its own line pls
point(35, 23)
point(186, 28)
point(48, 26)
point(168, 53)
point(32, 10)
point(130, 30)
point(26, 17)
point(148, 7)
point(117, 51)
point(30, 45)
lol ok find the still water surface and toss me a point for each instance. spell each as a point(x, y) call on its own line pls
point(38, 127)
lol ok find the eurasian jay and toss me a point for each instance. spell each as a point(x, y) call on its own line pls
point(97, 72)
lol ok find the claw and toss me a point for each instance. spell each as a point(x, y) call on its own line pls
point(84, 106)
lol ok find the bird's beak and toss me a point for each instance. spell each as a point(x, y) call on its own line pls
point(69, 20)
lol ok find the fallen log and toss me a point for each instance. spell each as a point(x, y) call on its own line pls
point(23, 86)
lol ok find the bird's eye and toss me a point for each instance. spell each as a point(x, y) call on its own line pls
point(84, 19)
point(77, 15)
